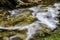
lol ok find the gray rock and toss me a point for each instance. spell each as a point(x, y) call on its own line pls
point(16, 38)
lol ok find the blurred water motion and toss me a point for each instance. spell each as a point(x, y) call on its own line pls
point(36, 19)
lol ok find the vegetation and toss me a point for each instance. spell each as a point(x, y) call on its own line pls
point(8, 20)
point(54, 36)
point(44, 36)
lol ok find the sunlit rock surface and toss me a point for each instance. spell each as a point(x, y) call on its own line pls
point(17, 18)
point(28, 23)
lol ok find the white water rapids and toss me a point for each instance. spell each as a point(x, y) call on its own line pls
point(48, 18)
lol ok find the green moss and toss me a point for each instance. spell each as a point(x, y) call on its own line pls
point(54, 36)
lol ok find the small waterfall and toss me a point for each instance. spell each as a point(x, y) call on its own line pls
point(32, 29)
point(48, 18)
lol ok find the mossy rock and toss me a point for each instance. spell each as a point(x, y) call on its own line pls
point(13, 4)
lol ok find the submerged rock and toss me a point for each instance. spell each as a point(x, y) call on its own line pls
point(16, 38)
point(15, 22)
point(13, 34)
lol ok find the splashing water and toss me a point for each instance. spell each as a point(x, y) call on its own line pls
point(48, 18)
point(57, 5)
point(32, 29)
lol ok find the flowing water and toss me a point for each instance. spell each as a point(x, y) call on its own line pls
point(47, 18)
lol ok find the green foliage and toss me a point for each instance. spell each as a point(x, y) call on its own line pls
point(54, 36)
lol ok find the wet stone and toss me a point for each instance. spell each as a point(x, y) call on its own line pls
point(16, 38)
